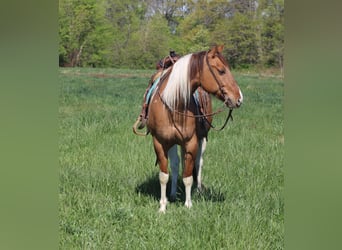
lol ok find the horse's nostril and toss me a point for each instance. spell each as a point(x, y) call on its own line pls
point(239, 102)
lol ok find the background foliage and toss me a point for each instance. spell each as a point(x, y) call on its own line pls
point(135, 34)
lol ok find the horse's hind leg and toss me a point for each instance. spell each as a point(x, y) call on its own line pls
point(199, 162)
point(174, 164)
point(161, 153)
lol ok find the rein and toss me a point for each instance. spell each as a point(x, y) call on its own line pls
point(201, 116)
point(225, 123)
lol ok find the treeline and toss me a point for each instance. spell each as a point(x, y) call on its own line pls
point(136, 33)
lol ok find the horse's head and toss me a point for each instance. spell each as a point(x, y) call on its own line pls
point(217, 79)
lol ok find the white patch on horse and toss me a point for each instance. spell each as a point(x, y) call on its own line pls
point(188, 183)
point(199, 162)
point(241, 97)
point(163, 179)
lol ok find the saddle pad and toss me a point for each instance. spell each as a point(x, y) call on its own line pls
point(151, 90)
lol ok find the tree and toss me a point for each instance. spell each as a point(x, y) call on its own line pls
point(149, 43)
point(238, 35)
point(77, 22)
point(245, 7)
point(272, 32)
point(124, 18)
point(132, 33)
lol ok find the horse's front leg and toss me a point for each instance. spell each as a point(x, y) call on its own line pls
point(189, 161)
point(161, 153)
point(174, 164)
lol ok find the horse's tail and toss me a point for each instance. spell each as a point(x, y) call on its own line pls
point(135, 131)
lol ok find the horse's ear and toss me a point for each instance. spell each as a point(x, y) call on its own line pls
point(212, 52)
point(216, 49)
point(220, 48)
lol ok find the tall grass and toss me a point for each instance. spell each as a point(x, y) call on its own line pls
point(109, 188)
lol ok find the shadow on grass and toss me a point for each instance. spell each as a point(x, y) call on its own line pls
point(151, 187)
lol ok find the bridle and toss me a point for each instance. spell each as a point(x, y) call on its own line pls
point(218, 82)
point(220, 88)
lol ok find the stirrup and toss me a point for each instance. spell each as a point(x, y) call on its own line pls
point(142, 124)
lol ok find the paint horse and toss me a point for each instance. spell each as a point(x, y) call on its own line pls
point(172, 110)
point(203, 125)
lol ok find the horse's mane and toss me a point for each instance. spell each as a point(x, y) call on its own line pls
point(197, 63)
point(178, 85)
point(178, 89)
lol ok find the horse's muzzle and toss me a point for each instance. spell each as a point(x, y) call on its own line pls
point(228, 102)
point(233, 104)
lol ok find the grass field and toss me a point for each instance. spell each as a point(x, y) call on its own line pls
point(109, 187)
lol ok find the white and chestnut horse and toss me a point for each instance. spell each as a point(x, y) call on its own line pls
point(172, 110)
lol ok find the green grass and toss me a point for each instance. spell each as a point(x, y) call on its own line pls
point(109, 187)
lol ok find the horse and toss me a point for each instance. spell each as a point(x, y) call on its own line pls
point(203, 125)
point(172, 110)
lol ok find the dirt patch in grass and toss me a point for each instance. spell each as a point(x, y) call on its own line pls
point(104, 75)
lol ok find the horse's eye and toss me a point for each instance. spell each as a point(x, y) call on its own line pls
point(221, 71)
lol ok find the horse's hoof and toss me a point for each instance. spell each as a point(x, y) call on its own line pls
point(162, 210)
point(172, 198)
point(201, 189)
point(188, 204)
point(162, 207)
